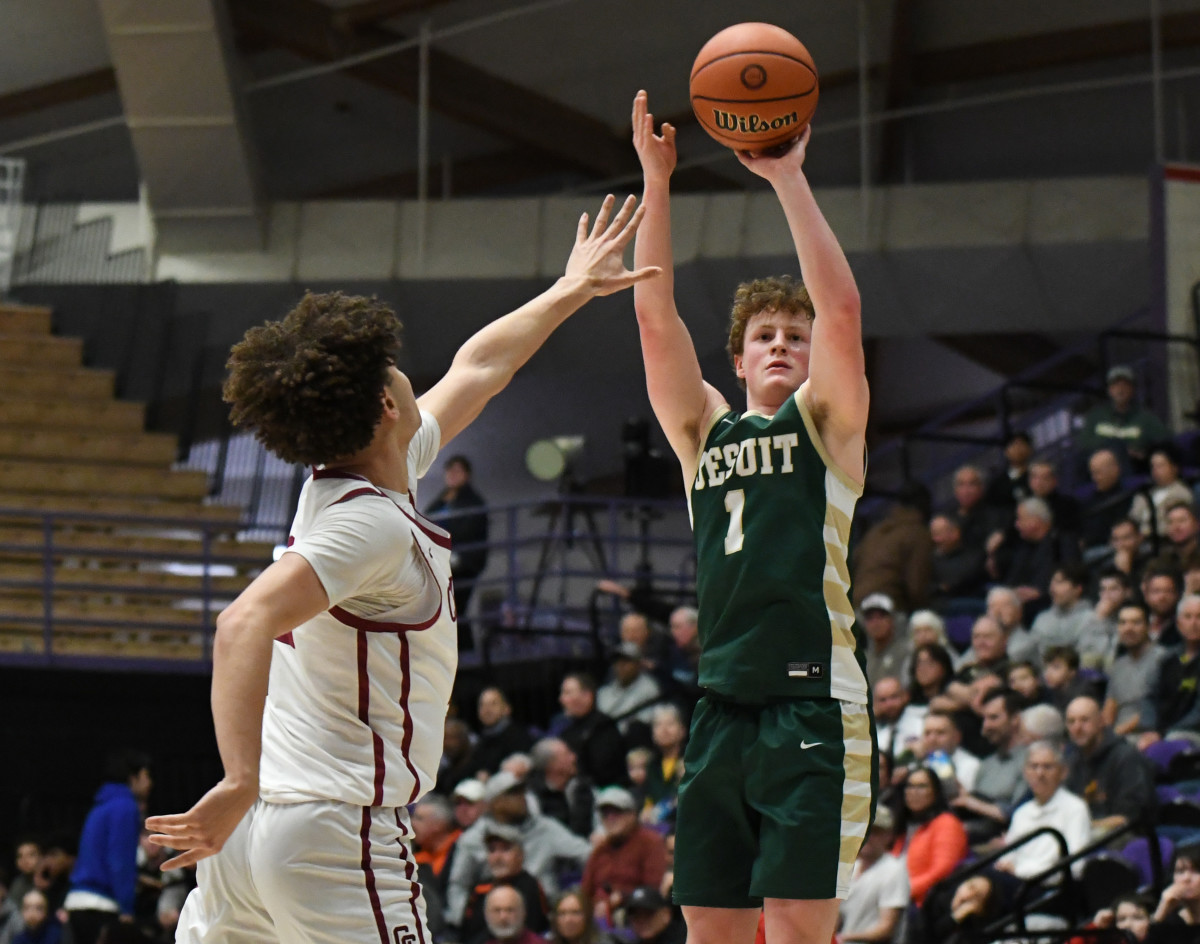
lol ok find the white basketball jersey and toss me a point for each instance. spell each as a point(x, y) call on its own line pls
point(357, 701)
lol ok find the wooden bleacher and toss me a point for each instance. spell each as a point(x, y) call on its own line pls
point(122, 585)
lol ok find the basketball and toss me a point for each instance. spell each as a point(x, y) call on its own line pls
point(754, 87)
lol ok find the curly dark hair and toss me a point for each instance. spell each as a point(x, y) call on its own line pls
point(773, 293)
point(310, 384)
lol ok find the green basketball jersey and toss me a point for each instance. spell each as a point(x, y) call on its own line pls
point(771, 516)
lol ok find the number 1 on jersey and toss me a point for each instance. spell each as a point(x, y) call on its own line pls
point(735, 501)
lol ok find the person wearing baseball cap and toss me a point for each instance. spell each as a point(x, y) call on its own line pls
point(652, 919)
point(629, 856)
point(889, 650)
point(1121, 424)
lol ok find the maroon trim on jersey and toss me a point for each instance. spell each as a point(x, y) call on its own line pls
point(406, 743)
point(409, 874)
point(438, 536)
point(379, 626)
point(364, 715)
point(372, 892)
point(336, 474)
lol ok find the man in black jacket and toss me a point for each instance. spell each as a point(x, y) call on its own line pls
point(590, 733)
point(468, 536)
point(1106, 771)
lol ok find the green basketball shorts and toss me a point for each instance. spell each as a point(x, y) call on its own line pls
point(775, 801)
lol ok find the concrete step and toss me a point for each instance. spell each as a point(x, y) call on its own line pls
point(33, 442)
point(181, 513)
point(80, 383)
point(24, 319)
point(67, 412)
point(33, 350)
point(74, 478)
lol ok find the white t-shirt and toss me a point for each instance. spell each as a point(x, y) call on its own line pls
point(966, 768)
point(883, 885)
point(356, 705)
point(1065, 812)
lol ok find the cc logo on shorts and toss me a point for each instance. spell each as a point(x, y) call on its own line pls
point(401, 935)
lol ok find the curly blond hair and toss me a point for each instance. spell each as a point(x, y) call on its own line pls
point(773, 293)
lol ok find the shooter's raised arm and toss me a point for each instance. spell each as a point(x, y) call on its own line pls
point(681, 399)
point(836, 389)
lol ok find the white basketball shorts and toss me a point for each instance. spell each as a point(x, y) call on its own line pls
point(309, 873)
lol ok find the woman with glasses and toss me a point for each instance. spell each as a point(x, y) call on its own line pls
point(931, 840)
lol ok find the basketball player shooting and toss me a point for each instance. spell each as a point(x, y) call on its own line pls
point(332, 671)
point(780, 766)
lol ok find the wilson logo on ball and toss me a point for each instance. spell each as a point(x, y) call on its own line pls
point(752, 124)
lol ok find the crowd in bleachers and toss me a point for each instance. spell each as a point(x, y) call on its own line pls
point(1032, 653)
point(1033, 656)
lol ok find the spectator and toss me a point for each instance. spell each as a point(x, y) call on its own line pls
point(499, 735)
point(469, 803)
point(1129, 913)
point(1129, 705)
point(170, 906)
point(932, 669)
point(926, 627)
point(978, 519)
point(894, 557)
point(504, 912)
point(571, 920)
point(1180, 901)
point(1128, 549)
point(1177, 692)
point(898, 724)
point(878, 895)
point(435, 834)
point(590, 733)
point(1043, 723)
point(28, 859)
point(888, 651)
point(1004, 606)
point(548, 845)
point(1120, 424)
point(1161, 591)
point(683, 660)
point(630, 854)
point(637, 767)
point(39, 926)
point(561, 791)
point(458, 761)
point(1109, 500)
point(505, 866)
point(665, 772)
point(958, 571)
point(629, 697)
point(652, 919)
point(53, 876)
point(1182, 533)
point(1062, 679)
point(104, 880)
point(1011, 484)
point(931, 838)
point(1166, 490)
point(1052, 805)
point(1043, 484)
point(999, 781)
point(942, 735)
point(1107, 772)
point(651, 642)
point(1191, 574)
point(1027, 563)
point(468, 531)
point(1023, 679)
point(1070, 619)
point(988, 654)
point(1097, 646)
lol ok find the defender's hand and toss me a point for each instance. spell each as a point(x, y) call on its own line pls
point(597, 259)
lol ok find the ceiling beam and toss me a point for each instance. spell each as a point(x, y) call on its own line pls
point(61, 92)
point(1048, 50)
point(1012, 354)
point(457, 89)
point(367, 12)
point(898, 86)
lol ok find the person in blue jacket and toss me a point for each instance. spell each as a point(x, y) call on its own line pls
point(104, 880)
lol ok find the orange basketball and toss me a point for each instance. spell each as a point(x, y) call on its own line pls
point(754, 86)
